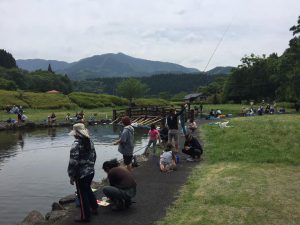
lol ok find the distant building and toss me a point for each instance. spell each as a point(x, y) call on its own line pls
point(194, 97)
point(53, 92)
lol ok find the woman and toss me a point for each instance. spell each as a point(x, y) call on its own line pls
point(122, 185)
point(81, 170)
point(125, 142)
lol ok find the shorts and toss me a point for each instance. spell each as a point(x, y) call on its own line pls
point(173, 134)
point(127, 159)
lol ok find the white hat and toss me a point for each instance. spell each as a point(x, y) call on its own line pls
point(79, 129)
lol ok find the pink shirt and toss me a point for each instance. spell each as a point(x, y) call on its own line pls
point(153, 134)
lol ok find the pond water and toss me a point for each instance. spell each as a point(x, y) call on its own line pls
point(33, 167)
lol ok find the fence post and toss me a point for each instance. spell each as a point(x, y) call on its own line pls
point(114, 114)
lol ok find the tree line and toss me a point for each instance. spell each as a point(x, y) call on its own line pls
point(13, 78)
point(166, 85)
point(273, 77)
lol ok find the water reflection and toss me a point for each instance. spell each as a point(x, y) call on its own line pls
point(33, 166)
point(9, 142)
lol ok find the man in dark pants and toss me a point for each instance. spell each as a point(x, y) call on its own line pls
point(122, 185)
point(192, 148)
point(81, 171)
point(172, 123)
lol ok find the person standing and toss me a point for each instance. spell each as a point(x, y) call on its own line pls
point(81, 171)
point(122, 185)
point(126, 142)
point(172, 123)
point(153, 137)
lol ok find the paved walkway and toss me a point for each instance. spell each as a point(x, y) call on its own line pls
point(156, 191)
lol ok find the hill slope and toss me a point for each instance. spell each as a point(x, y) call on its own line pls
point(106, 65)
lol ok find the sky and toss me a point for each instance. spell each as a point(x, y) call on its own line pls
point(188, 32)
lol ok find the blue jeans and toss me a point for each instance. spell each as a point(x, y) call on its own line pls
point(154, 145)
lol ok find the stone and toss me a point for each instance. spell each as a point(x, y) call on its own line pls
point(56, 206)
point(56, 215)
point(68, 199)
point(33, 218)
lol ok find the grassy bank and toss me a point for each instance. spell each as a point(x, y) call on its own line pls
point(251, 175)
point(39, 115)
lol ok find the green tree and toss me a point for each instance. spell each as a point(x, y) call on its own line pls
point(131, 88)
point(50, 69)
point(7, 60)
point(7, 84)
point(296, 28)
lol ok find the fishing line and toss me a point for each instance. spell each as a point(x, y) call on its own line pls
point(220, 41)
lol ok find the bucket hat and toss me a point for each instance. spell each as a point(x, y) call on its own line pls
point(79, 129)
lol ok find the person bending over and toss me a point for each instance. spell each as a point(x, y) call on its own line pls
point(167, 160)
point(192, 148)
point(122, 185)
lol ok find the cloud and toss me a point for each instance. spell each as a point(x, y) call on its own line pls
point(177, 31)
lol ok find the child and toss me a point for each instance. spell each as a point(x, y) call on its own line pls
point(153, 137)
point(167, 160)
point(192, 126)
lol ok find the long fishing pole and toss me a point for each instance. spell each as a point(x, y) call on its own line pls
point(220, 41)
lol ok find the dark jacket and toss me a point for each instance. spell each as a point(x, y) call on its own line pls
point(81, 161)
point(172, 120)
point(193, 143)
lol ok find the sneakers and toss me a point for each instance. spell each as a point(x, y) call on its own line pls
point(190, 159)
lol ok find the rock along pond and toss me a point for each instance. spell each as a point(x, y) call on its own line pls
point(33, 166)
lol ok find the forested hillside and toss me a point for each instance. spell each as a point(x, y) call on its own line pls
point(168, 84)
point(13, 78)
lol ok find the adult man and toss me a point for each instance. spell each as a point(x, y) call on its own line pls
point(125, 142)
point(192, 148)
point(122, 185)
point(172, 123)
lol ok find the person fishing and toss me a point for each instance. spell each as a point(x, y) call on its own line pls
point(125, 142)
point(172, 123)
point(81, 170)
point(122, 185)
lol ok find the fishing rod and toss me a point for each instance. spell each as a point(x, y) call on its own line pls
point(67, 146)
point(219, 43)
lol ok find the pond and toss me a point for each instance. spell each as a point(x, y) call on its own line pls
point(33, 166)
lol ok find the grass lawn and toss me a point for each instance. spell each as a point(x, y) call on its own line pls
point(250, 175)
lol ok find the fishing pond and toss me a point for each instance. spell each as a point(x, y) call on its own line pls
point(33, 166)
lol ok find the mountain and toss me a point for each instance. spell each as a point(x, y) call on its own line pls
point(106, 65)
point(41, 64)
point(220, 70)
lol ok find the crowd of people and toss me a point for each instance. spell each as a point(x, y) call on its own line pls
point(262, 109)
point(18, 111)
point(122, 185)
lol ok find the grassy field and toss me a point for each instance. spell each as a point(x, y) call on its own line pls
point(250, 175)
